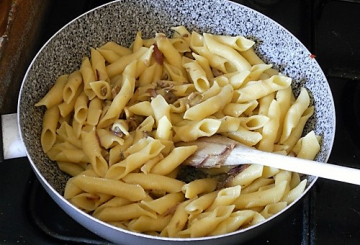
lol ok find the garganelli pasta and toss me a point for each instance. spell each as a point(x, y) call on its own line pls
point(114, 124)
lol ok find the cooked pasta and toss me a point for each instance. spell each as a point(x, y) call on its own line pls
point(116, 124)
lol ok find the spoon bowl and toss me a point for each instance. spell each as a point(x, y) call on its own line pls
point(217, 151)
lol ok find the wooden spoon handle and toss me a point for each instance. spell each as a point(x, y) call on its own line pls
point(241, 155)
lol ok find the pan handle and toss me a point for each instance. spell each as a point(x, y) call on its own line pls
point(11, 145)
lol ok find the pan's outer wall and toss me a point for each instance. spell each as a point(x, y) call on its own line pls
point(119, 21)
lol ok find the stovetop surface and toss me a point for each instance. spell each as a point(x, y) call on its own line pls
point(328, 214)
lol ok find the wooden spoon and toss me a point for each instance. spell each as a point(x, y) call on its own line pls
point(218, 151)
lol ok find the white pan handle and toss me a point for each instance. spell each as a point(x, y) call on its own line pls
point(12, 145)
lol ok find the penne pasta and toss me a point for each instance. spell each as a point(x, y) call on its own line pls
point(165, 203)
point(118, 124)
point(48, 133)
point(193, 130)
point(72, 86)
point(262, 88)
point(199, 186)
point(93, 152)
point(88, 76)
point(134, 160)
point(210, 106)
point(294, 113)
point(173, 160)
point(197, 75)
point(120, 100)
point(98, 65)
point(169, 51)
point(118, 49)
point(119, 66)
point(226, 52)
point(148, 224)
point(261, 198)
point(154, 182)
point(54, 95)
point(236, 220)
point(239, 43)
point(80, 108)
point(124, 213)
point(101, 89)
point(112, 187)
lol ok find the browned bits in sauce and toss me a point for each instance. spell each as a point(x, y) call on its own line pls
point(159, 58)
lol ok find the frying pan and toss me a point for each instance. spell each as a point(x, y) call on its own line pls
point(119, 21)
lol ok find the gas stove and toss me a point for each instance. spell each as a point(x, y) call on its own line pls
point(328, 214)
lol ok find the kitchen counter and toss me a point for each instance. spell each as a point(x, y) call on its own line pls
point(20, 25)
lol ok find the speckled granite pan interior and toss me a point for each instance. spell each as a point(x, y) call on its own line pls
point(119, 21)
